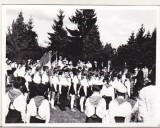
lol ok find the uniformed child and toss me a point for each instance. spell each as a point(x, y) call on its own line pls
point(95, 106)
point(38, 109)
point(83, 90)
point(15, 102)
point(119, 108)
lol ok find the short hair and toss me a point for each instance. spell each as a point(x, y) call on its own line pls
point(119, 76)
point(18, 82)
point(37, 68)
point(41, 89)
point(96, 88)
point(127, 75)
point(45, 67)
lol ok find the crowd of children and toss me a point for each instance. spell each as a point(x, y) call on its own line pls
point(101, 93)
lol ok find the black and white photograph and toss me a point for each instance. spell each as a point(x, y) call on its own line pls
point(80, 64)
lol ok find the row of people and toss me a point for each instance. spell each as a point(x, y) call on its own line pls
point(72, 83)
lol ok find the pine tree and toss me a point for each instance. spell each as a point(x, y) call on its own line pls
point(31, 36)
point(20, 38)
point(85, 38)
point(58, 39)
point(18, 33)
point(140, 37)
point(131, 39)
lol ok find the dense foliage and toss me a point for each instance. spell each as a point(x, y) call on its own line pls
point(58, 39)
point(139, 49)
point(21, 40)
point(81, 43)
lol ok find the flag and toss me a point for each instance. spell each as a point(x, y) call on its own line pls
point(46, 60)
point(54, 59)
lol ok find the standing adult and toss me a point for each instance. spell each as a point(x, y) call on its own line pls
point(149, 101)
point(139, 81)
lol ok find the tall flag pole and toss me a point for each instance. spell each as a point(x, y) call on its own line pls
point(56, 59)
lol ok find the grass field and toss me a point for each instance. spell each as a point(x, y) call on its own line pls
point(58, 116)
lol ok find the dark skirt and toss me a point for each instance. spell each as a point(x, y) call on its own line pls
point(108, 100)
point(89, 91)
point(63, 97)
point(52, 88)
point(71, 91)
point(81, 92)
point(78, 86)
point(119, 119)
point(13, 116)
point(36, 120)
point(93, 119)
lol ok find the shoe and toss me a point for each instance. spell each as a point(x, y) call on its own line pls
point(73, 110)
point(62, 109)
point(53, 107)
point(82, 111)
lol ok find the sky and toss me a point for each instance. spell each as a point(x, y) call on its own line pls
point(115, 23)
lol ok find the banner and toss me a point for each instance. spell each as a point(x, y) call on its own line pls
point(54, 59)
point(46, 60)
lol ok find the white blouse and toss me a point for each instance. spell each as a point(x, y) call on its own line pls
point(44, 110)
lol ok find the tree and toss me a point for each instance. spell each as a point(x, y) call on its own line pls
point(21, 39)
point(16, 36)
point(140, 38)
point(107, 53)
point(141, 49)
point(85, 39)
point(131, 39)
point(58, 39)
point(31, 36)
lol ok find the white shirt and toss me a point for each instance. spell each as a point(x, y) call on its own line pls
point(75, 80)
point(44, 110)
point(89, 65)
point(21, 71)
point(145, 73)
point(65, 81)
point(107, 91)
point(92, 81)
point(123, 78)
point(45, 78)
point(116, 83)
point(19, 104)
point(128, 86)
point(100, 109)
point(28, 78)
point(149, 104)
point(121, 110)
point(85, 84)
point(54, 80)
point(37, 78)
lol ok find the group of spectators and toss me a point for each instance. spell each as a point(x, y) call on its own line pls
point(101, 93)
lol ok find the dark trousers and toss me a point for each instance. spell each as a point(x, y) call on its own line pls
point(93, 119)
point(63, 97)
point(119, 119)
point(13, 116)
point(108, 100)
point(36, 120)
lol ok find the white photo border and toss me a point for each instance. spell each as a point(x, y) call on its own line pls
point(80, 5)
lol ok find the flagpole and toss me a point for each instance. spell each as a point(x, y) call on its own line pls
point(56, 58)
